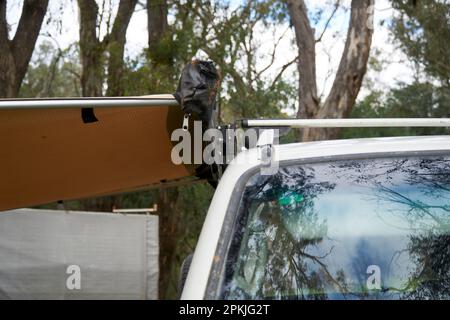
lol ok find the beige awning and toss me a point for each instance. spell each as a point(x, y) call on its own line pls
point(48, 155)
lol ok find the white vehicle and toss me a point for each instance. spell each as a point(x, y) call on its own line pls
point(343, 219)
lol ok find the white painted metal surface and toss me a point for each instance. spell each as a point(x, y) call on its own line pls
point(197, 279)
point(346, 123)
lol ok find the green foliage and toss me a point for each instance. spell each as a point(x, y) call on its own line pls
point(417, 100)
point(262, 101)
point(423, 31)
point(53, 73)
point(143, 78)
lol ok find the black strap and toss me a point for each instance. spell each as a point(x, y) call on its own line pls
point(88, 115)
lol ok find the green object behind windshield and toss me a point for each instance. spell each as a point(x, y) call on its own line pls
point(290, 198)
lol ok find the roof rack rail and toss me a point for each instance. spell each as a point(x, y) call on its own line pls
point(347, 123)
point(91, 102)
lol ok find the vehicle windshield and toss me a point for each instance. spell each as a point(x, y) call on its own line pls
point(354, 229)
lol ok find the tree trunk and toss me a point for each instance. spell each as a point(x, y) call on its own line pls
point(350, 73)
point(15, 54)
point(157, 30)
point(168, 237)
point(304, 35)
point(91, 50)
point(116, 47)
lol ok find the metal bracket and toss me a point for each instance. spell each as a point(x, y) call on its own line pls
point(266, 151)
point(185, 126)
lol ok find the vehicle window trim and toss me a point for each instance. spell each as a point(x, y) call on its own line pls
point(216, 275)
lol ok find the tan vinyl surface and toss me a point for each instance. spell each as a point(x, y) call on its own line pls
point(48, 155)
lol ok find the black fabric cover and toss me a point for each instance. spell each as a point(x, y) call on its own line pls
point(197, 90)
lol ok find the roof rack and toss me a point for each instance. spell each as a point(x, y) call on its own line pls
point(346, 123)
point(92, 102)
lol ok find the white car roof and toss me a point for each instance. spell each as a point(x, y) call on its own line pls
point(362, 146)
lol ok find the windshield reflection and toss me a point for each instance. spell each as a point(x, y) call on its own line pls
point(324, 231)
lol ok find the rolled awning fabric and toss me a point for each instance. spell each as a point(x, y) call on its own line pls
point(51, 154)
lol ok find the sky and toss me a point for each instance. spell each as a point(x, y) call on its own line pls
point(328, 51)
